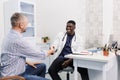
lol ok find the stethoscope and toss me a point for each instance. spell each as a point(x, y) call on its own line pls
point(65, 35)
point(64, 38)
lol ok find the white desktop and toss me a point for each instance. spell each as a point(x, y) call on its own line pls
point(100, 67)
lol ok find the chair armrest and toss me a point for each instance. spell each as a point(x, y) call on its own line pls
point(12, 78)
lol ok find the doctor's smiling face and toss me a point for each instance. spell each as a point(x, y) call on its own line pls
point(70, 28)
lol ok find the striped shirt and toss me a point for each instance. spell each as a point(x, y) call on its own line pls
point(15, 50)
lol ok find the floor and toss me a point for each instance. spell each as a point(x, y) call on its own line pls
point(63, 76)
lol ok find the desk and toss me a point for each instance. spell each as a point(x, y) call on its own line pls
point(99, 67)
point(118, 57)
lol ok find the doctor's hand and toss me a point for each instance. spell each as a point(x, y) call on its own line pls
point(66, 63)
point(51, 51)
point(32, 64)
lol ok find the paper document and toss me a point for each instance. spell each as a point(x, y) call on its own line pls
point(85, 52)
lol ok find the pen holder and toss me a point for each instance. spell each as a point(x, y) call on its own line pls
point(105, 52)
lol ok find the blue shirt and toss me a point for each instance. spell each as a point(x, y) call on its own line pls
point(67, 47)
point(15, 50)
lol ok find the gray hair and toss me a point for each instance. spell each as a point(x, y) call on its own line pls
point(17, 18)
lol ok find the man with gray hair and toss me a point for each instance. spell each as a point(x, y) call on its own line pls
point(15, 50)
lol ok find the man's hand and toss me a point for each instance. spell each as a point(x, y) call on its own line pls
point(66, 63)
point(32, 64)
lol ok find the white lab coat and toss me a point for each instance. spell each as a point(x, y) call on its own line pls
point(77, 43)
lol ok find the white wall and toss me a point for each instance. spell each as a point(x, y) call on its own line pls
point(107, 20)
point(1, 23)
point(116, 20)
point(52, 16)
point(94, 19)
point(91, 18)
point(94, 23)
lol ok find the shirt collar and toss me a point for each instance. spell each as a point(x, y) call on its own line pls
point(16, 32)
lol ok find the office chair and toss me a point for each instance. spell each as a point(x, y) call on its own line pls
point(12, 78)
point(68, 70)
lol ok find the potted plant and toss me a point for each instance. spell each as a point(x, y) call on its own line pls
point(45, 39)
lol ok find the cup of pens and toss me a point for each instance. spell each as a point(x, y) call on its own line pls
point(106, 50)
